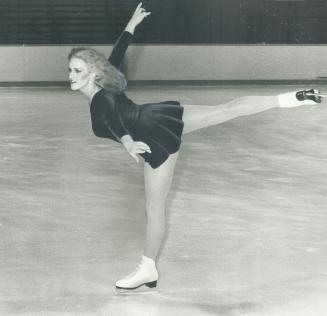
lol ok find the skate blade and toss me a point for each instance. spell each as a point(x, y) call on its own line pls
point(139, 291)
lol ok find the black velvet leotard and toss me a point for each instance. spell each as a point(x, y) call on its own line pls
point(159, 125)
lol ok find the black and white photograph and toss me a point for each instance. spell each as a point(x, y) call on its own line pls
point(163, 158)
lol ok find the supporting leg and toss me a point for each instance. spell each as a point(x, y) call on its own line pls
point(157, 184)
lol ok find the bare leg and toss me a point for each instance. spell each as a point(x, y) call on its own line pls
point(199, 116)
point(157, 184)
point(158, 181)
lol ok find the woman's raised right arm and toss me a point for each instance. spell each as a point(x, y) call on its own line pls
point(121, 45)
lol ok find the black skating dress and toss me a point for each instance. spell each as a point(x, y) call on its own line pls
point(159, 125)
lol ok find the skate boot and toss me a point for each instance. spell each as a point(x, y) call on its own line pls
point(298, 98)
point(146, 274)
point(312, 94)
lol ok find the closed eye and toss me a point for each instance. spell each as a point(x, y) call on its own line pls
point(74, 70)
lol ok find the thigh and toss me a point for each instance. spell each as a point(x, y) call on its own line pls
point(158, 181)
point(199, 116)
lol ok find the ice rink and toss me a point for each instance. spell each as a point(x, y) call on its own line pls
point(247, 212)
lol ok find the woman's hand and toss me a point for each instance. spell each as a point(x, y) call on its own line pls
point(134, 148)
point(137, 17)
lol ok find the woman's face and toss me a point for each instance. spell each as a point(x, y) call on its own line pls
point(79, 74)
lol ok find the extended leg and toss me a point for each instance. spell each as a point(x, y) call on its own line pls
point(199, 116)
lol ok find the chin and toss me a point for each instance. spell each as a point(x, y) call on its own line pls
point(74, 87)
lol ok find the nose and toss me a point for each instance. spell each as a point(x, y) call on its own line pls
point(70, 75)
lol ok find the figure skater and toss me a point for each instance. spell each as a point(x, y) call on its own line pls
point(153, 130)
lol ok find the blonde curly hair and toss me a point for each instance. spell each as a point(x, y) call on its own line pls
point(107, 76)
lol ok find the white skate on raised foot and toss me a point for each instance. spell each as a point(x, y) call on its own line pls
point(298, 98)
point(146, 274)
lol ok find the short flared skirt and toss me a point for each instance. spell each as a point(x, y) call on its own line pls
point(159, 125)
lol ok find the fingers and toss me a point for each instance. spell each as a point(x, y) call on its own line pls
point(139, 6)
point(141, 10)
point(142, 151)
point(141, 148)
point(144, 147)
point(138, 148)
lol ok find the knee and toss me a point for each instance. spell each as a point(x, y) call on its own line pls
point(244, 100)
point(155, 206)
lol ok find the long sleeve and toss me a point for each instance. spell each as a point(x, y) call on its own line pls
point(119, 49)
point(110, 118)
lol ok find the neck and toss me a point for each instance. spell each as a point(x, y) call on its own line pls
point(90, 90)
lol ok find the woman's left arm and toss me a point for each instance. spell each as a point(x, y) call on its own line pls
point(121, 45)
point(114, 123)
point(134, 148)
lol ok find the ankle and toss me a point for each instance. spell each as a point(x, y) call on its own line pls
point(148, 260)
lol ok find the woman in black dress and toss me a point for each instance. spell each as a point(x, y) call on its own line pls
point(153, 130)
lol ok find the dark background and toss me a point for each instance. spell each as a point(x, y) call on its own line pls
point(172, 21)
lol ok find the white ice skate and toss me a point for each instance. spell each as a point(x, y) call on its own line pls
point(146, 274)
point(298, 98)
